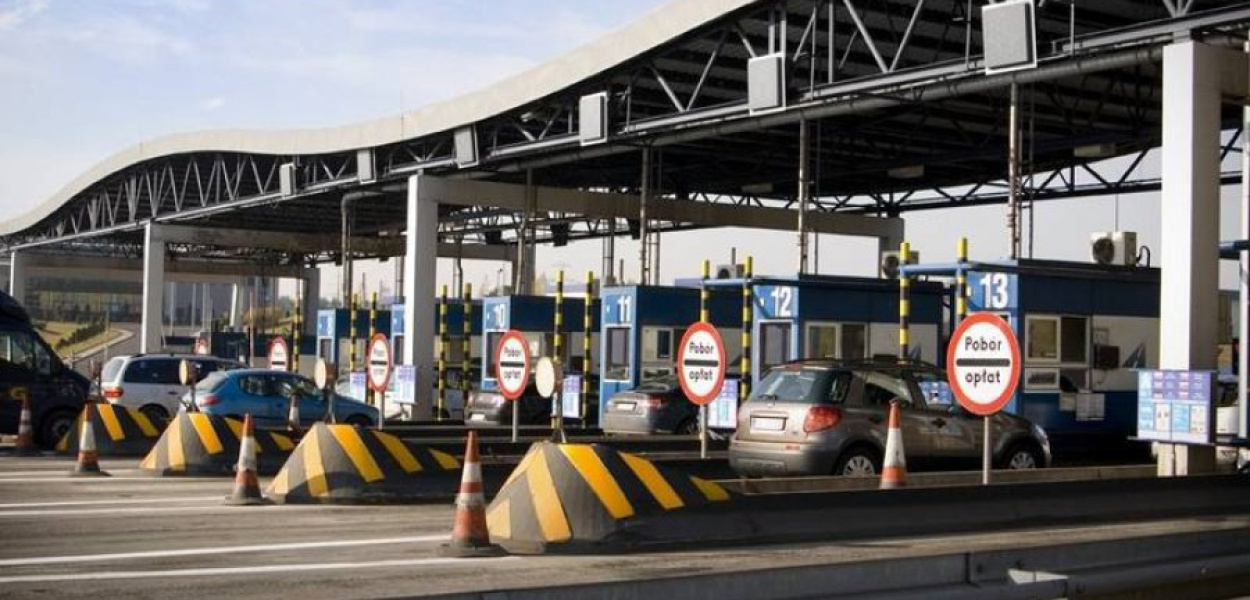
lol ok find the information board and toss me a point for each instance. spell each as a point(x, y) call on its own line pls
point(405, 384)
point(357, 385)
point(571, 397)
point(1175, 406)
point(722, 413)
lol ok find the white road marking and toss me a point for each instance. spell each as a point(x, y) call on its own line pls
point(68, 479)
point(81, 558)
point(86, 512)
point(59, 470)
point(98, 502)
point(255, 570)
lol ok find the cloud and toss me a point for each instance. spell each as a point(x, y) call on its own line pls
point(19, 11)
point(213, 103)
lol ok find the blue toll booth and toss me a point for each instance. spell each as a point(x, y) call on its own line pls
point(816, 316)
point(642, 326)
point(334, 331)
point(455, 332)
point(1083, 330)
point(534, 317)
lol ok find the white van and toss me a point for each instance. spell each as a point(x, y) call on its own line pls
point(150, 382)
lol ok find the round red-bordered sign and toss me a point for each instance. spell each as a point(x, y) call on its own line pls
point(701, 363)
point(279, 354)
point(379, 364)
point(512, 364)
point(983, 363)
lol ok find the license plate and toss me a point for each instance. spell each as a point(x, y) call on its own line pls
point(477, 417)
point(768, 423)
point(625, 406)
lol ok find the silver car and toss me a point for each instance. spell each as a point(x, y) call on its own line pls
point(828, 417)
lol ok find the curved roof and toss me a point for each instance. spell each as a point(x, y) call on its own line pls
point(657, 27)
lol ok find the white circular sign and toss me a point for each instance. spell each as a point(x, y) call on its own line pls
point(983, 363)
point(512, 364)
point(186, 372)
point(379, 363)
point(321, 374)
point(547, 377)
point(701, 363)
point(279, 354)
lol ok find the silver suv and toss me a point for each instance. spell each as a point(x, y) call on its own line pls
point(828, 417)
point(150, 382)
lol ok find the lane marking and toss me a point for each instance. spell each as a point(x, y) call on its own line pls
point(150, 509)
point(81, 558)
point(98, 502)
point(256, 570)
point(68, 479)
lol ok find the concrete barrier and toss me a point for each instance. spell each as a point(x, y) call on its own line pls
point(793, 485)
point(203, 444)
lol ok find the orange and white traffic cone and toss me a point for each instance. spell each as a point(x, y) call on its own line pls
point(25, 445)
point(894, 468)
point(292, 415)
point(469, 536)
point(246, 487)
point(88, 464)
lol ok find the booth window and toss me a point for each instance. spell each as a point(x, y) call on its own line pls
point(774, 344)
point(1073, 339)
point(664, 344)
point(1043, 338)
point(837, 340)
point(616, 363)
point(854, 340)
point(492, 342)
point(822, 341)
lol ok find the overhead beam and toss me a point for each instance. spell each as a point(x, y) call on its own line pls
point(174, 269)
point(312, 243)
point(604, 205)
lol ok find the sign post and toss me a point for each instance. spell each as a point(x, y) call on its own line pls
point(323, 377)
point(983, 368)
point(379, 371)
point(279, 354)
point(512, 371)
point(701, 371)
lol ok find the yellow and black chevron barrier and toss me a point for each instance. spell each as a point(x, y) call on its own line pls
point(580, 495)
point(120, 431)
point(202, 444)
point(348, 464)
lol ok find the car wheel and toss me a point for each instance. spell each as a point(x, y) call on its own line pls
point(858, 462)
point(360, 421)
point(1022, 457)
point(56, 425)
point(156, 414)
point(689, 427)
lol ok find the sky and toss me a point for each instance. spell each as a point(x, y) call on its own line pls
point(82, 80)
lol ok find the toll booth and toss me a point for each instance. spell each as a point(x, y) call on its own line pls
point(534, 317)
point(334, 331)
point(233, 345)
point(1084, 329)
point(816, 316)
point(643, 325)
point(455, 336)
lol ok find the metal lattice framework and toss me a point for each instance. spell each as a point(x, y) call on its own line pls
point(902, 114)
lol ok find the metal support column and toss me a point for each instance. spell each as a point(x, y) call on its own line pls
point(609, 254)
point(644, 264)
point(311, 300)
point(805, 193)
point(1013, 173)
point(17, 277)
point(444, 345)
point(346, 214)
point(1243, 300)
point(153, 289)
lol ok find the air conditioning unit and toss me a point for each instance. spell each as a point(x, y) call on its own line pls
point(1114, 248)
point(729, 272)
point(890, 263)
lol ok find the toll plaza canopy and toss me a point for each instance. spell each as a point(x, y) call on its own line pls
point(901, 114)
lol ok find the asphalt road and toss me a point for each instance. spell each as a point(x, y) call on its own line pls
point(131, 536)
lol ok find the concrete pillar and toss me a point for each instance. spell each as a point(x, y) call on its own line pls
point(420, 271)
point(17, 277)
point(312, 300)
point(1190, 208)
point(153, 289)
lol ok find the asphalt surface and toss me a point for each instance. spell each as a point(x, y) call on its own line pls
point(132, 536)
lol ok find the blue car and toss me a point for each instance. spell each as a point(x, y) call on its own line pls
point(265, 394)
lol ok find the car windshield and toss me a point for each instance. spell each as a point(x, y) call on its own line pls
point(807, 385)
point(659, 384)
point(212, 382)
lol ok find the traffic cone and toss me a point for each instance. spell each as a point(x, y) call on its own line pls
point(894, 468)
point(469, 536)
point(246, 488)
point(25, 433)
point(292, 415)
point(88, 464)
